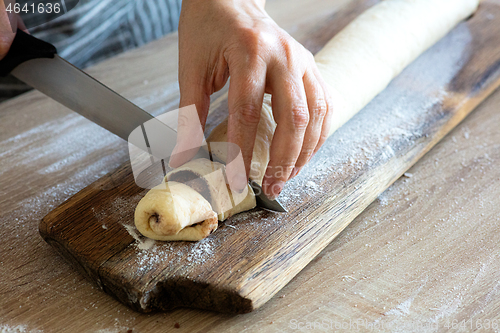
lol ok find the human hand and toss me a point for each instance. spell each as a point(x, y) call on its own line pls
point(9, 23)
point(219, 39)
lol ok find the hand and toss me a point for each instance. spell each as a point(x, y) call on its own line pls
point(236, 38)
point(9, 22)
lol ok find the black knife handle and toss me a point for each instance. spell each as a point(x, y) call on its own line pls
point(25, 47)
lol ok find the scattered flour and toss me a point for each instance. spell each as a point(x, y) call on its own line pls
point(143, 243)
point(113, 330)
point(200, 251)
point(17, 329)
point(312, 185)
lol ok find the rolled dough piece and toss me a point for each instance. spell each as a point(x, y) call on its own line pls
point(361, 60)
point(207, 178)
point(357, 64)
point(189, 205)
point(175, 211)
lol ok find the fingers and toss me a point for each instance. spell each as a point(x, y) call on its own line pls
point(191, 122)
point(317, 105)
point(327, 120)
point(245, 97)
point(291, 113)
point(303, 114)
point(202, 71)
point(8, 23)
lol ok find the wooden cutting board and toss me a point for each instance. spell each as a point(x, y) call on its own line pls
point(254, 254)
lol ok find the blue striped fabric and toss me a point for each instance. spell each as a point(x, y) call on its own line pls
point(98, 29)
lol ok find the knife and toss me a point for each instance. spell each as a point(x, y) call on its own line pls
point(36, 63)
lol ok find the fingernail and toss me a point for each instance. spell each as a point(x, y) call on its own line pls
point(294, 173)
point(312, 155)
point(275, 189)
point(238, 183)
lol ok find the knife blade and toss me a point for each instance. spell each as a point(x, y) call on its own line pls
point(263, 201)
point(81, 93)
point(75, 89)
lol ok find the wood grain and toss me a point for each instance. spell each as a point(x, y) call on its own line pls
point(239, 270)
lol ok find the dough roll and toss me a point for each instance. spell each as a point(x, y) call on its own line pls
point(189, 205)
point(175, 211)
point(357, 64)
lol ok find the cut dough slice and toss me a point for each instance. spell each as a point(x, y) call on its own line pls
point(207, 178)
point(175, 211)
point(189, 205)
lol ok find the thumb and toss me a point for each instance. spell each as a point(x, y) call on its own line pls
point(193, 110)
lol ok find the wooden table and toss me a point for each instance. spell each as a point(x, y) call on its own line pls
point(425, 255)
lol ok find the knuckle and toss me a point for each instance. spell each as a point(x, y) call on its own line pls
point(288, 51)
point(250, 34)
point(288, 48)
point(294, 55)
point(320, 108)
point(248, 113)
point(255, 42)
point(309, 56)
point(308, 151)
point(300, 117)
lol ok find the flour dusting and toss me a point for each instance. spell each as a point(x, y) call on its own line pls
point(17, 329)
point(143, 243)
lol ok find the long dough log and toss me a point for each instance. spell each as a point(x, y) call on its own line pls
point(357, 64)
